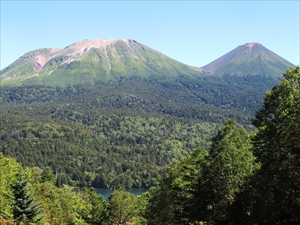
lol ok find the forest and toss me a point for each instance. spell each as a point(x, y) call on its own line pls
point(124, 132)
point(234, 174)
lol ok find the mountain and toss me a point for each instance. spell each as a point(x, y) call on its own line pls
point(105, 113)
point(250, 59)
point(127, 74)
point(88, 61)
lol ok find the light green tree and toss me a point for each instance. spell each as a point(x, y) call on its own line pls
point(8, 171)
point(97, 213)
point(121, 207)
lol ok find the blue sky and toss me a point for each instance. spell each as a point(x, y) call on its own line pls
point(192, 32)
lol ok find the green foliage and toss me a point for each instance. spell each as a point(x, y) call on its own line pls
point(211, 99)
point(60, 204)
point(203, 187)
point(9, 168)
point(244, 178)
point(173, 201)
point(121, 207)
point(98, 211)
point(67, 205)
point(274, 190)
point(143, 124)
point(129, 150)
point(140, 131)
point(24, 207)
point(141, 201)
point(230, 163)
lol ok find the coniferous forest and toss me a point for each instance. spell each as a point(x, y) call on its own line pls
point(55, 149)
point(119, 133)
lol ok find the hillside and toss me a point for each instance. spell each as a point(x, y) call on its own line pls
point(250, 59)
point(89, 61)
point(120, 110)
point(98, 148)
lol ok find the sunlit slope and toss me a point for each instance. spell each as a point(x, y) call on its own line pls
point(250, 59)
point(93, 60)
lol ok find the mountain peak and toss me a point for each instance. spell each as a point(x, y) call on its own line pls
point(249, 59)
point(96, 43)
point(86, 45)
point(93, 60)
point(250, 44)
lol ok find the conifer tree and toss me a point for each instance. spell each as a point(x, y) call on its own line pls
point(25, 209)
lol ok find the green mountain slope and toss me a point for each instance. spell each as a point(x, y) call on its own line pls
point(93, 60)
point(250, 59)
point(134, 109)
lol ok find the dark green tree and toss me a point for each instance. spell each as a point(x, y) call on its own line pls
point(273, 195)
point(25, 209)
point(173, 201)
point(142, 201)
point(230, 163)
point(48, 176)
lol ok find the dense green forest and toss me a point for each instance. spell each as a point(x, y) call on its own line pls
point(121, 132)
point(127, 150)
point(210, 99)
point(243, 177)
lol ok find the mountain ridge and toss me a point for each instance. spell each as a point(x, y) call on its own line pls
point(89, 61)
point(92, 60)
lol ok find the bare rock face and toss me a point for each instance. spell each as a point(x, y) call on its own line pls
point(39, 62)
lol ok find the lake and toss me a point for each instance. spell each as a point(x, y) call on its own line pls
point(107, 192)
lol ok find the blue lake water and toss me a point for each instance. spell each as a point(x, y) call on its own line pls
point(107, 192)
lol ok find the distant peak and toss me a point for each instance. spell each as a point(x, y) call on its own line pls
point(249, 44)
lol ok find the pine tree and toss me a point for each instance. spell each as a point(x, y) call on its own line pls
point(25, 209)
